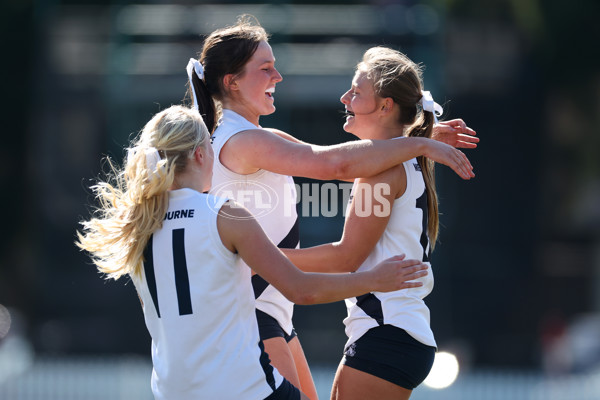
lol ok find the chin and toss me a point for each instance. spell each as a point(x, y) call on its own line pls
point(271, 111)
point(351, 131)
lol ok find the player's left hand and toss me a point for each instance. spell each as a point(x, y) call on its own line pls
point(455, 133)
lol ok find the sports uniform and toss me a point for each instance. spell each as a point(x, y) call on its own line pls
point(271, 198)
point(199, 309)
point(405, 233)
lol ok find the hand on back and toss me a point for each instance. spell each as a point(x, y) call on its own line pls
point(396, 273)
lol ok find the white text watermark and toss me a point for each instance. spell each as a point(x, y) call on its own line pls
point(325, 199)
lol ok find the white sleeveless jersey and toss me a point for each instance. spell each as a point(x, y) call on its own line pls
point(271, 198)
point(199, 309)
point(406, 232)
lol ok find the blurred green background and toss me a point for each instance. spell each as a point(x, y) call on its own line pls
point(517, 267)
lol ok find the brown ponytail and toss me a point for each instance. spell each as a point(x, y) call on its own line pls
point(396, 76)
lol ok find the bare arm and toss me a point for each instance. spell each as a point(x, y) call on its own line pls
point(241, 233)
point(250, 150)
point(362, 229)
point(454, 132)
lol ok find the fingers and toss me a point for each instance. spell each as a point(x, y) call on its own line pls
point(408, 285)
point(468, 131)
point(459, 124)
point(461, 137)
point(413, 272)
point(454, 122)
point(462, 166)
point(400, 273)
point(408, 267)
point(462, 131)
point(460, 144)
point(398, 257)
point(453, 158)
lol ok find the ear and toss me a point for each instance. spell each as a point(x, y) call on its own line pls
point(199, 156)
point(387, 105)
point(229, 82)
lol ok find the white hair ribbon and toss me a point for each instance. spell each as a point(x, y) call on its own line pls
point(130, 154)
point(152, 159)
point(430, 105)
point(194, 66)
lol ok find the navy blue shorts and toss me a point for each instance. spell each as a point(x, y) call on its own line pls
point(268, 327)
point(285, 391)
point(390, 353)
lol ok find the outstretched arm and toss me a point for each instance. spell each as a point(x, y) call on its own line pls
point(240, 233)
point(256, 149)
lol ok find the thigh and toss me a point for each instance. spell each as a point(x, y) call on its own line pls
point(307, 385)
point(352, 384)
point(281, 358)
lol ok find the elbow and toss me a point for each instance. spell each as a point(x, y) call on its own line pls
point(344, 266)
point(305, 298)
point(355, 263)
point(341, 169)
point(335, 166)
point(303, 292)
point(346, 259)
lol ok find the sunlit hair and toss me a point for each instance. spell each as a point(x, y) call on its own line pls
point(133, 199)
point(396, 76)
point(225, 51)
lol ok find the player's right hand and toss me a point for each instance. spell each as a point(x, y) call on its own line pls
point(445, 154)
point(396, 273)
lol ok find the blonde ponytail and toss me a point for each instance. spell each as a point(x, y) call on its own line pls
point(134, 200)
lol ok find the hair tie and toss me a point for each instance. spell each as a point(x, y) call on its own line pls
point(152, 159)
point(430, 105)
point(194, 66)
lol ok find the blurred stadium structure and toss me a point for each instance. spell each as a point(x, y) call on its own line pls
point(517, 270)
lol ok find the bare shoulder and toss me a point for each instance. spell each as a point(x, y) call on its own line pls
point(284, 135)
point(232, 212)
point(243, 138)
point(394, 178)
point(233, 221)
point(241, 153)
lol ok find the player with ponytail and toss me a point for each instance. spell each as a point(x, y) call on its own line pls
point(391, 347)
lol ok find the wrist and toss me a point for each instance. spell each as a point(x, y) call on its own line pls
point(370, 278)
point(423, 146)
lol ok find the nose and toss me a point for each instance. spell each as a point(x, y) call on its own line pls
point(344, 98)
point(277, 76)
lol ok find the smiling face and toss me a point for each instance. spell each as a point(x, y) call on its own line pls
point(362, 106)
point(251, 92)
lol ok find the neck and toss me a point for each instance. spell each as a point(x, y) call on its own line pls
point(241, 110)
point(387, 131)
point(190, 180)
